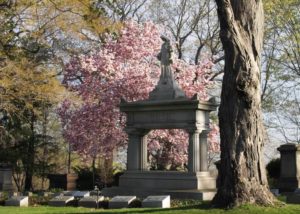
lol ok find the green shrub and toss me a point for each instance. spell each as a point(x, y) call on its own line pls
point(85, 179)
point(273, 169)
point(3, 198)
point(38, 200)
point(56, 190)
point(136, 203)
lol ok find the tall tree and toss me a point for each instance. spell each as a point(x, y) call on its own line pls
point(281, 70)
point(242, 177)
point(36, 39)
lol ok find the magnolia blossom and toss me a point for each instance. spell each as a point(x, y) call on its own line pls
point(127, 68)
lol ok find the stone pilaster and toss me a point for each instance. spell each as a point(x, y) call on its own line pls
point(194, 151)
point(137, 150)
point(203, 150)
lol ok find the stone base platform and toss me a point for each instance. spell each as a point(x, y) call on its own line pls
point(181, 185)
point(202, 195)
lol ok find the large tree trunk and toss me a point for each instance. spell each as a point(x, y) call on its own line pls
point(242, 176)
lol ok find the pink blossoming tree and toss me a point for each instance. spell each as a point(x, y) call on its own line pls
point(127, 68)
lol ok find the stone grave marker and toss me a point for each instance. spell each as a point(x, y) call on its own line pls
point(81, 194)
point(289, 179)
point(294, 198)
point(61, 201)
point(159, 201)
point(69, 193)
point(76, 194)
point(18, 201)
point(167, 107)
point(90, 201)
point(120, 201)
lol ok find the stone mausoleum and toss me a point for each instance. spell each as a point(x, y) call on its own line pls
point(167, 108)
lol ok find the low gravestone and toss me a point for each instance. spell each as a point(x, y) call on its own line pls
point(121, 201)
point(294, 198)
point(69, 193)
point(90, 201)
point(61, 201)
point(160, 201)
point(77, 194)
point(18, 201)
point(81, 194)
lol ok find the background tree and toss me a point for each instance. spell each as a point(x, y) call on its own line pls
point(280, 85)
point(36, 39)
point(242, 176)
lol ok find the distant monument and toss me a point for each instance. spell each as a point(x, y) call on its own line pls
point(289, 167)
point(167, 108)
point(6, 177)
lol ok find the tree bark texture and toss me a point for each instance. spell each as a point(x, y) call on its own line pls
point(242, 178)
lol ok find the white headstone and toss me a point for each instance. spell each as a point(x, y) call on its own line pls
point(61, 201)
point(293, 198)
point(69, 193)
point(81, 194)
point(90, 201)
point(18, 201)
point(121, 201)
point(160, 201)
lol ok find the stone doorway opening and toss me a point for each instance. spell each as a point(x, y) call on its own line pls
point(168, 150)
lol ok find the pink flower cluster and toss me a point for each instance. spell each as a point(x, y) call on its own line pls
point(125, 67)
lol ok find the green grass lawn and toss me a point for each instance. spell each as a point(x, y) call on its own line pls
point(200, 208)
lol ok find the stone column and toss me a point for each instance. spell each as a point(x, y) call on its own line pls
point(289, 167)
point(137, 150)
point(194, 151)
point(203, 150)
